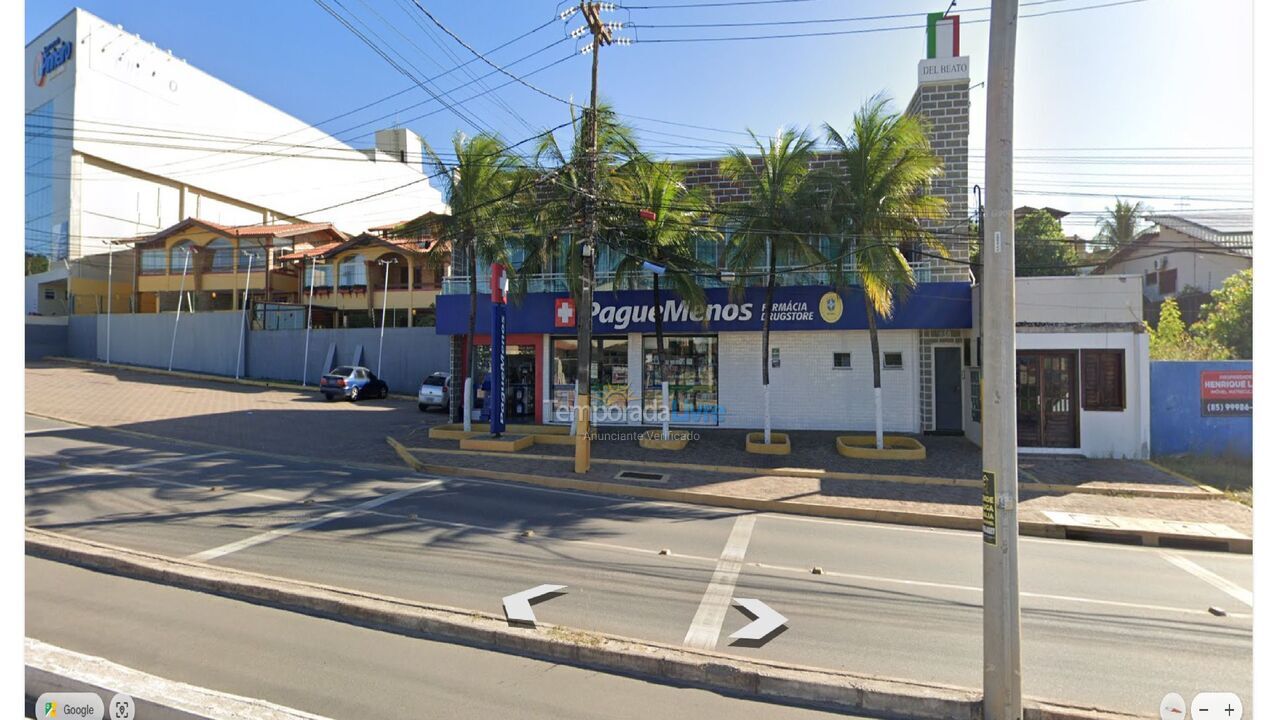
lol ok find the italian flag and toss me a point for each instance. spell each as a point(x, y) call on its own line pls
point(944, 35)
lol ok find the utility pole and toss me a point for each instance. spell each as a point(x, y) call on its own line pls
point(1001, 607)
point(601, 34)
point(182, 287)
point(111, 246)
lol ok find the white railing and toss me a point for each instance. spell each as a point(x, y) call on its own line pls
point(755, 277)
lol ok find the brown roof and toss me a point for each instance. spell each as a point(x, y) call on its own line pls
point(279, 230)
point(411, 245)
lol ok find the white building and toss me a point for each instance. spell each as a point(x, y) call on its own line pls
point(1185, 253)
point(1083, 367)
point(124, 138)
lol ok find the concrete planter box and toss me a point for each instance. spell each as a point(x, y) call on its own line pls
point(652, 440)
point(781, 444)
point(509, 443)
point(896, 447)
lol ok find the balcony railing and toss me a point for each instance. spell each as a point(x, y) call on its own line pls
point(605, 282)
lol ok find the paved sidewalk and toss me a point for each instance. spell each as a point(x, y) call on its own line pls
point(300, 423)
point(276, 420)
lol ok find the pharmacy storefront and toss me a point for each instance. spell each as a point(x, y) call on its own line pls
point(819, 365)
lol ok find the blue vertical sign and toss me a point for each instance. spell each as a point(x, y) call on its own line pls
point(497, 397)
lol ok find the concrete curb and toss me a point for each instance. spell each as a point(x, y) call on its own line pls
point(814, 473)
point(1029, 528)
point(770, 681)
point(208, 377)
point(53, 669)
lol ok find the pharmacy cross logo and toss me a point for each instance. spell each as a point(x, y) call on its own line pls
point(53, 56)
point(565, 313)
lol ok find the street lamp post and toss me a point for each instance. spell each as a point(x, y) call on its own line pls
point(244, 313)
point(110, 254)
point(386, 277)
point(311, 297)
point(182, 288)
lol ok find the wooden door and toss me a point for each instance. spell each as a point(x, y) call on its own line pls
point(1048, 406)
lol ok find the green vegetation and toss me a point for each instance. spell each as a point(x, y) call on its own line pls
point(1232, 476)
point(1225, 333)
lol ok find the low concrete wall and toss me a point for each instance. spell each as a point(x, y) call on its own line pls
point(43, 338)
point(204, 342)
point(409, 354)
point(207, 342)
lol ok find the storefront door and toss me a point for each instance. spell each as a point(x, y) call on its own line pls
point(1048, 411)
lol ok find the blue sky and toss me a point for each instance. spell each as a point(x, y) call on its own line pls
point(1138, 99)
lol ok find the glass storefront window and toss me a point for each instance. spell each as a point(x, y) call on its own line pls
point(610, 380)
point(689, 365)
point(521, 381)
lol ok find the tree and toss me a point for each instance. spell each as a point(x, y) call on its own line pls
point(556, 209)
point(36, 263)
point(481, 189)
point(1119, 226)
point(1040, 247)
point(880, 199)
point(1228, 317)
point(680, 218)
point(776, 219)
point(1170, 340)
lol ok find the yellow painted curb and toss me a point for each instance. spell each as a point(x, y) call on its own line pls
point(1030, 528)
point(513, 443)
point(652, 440)
point(896, 447)
point(781, 444)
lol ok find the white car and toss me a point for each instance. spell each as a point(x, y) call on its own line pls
point(434, 392)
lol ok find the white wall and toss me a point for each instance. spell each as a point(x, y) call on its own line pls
point(1108, 434)
point(806, 392)
point(1205, 270)
point(128, 97)
point(1079, 299)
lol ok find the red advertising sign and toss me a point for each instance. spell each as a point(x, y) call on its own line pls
point(1226, 393)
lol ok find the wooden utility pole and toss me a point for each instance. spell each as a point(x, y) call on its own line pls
point(1001, 608)
point(601, 34)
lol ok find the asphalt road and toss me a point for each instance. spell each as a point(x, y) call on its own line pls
point(333, 669)
point(1105, 625)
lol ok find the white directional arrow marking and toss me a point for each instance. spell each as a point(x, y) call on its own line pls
point(517, 606)
point(766, 620)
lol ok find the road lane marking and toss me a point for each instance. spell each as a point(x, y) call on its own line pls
point(704, 632)
point(117, 469)
point(1213, 578)
point(268, 536)
point(41, 431)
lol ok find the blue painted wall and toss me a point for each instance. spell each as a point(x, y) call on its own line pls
point(1176, 423)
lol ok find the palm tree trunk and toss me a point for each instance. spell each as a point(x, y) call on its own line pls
point(875, 374)
point(469, 257)
point(764, 360)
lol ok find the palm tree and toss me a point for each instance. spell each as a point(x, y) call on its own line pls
point(1119, 226)
point(675, 218)
point(776, 219)
point(879, 199)
point(481, 188)
point(556, 209)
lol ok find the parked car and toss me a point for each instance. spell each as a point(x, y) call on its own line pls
point(434, 392)
point(352, 381)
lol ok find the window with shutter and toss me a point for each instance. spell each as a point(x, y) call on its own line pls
point(1102, 378)
point(1168, 281)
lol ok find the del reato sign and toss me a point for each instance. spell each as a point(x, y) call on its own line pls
point(931, 305)
point(1226, 393)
